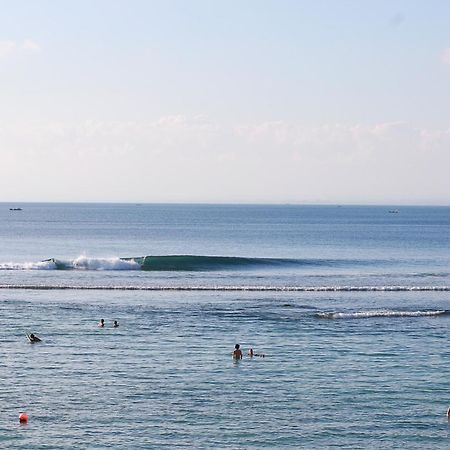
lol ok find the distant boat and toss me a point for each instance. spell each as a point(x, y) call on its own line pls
point(393, 211)
point(15, 209)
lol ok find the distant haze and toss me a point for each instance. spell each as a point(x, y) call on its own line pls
point(225, 101)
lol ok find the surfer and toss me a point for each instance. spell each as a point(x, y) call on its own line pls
point(252, 354)
point(237, 354)
point(116, 324)
point(32, 338)
point(101, 324)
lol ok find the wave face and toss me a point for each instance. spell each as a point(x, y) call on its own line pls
point(380, 313)
point(208, 263)
point(170, 263)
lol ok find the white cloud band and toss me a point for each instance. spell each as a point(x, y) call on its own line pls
point(178, 158)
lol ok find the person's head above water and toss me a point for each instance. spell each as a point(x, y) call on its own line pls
point(33, 338)
point(237, 346)
point(116, 324)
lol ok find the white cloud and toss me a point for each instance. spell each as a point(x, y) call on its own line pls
point(29, 44)
point(445, 56)
point(9, 47)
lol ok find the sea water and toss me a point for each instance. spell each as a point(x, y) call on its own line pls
point(349, 306)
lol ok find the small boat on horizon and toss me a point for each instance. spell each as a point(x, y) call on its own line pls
point(15, 209)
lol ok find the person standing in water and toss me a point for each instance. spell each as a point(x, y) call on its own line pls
point(101, 324)
point(237, 354)
point(116, 324)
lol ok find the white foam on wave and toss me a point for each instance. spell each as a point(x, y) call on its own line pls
point(114, 263)
point(220, 288)
point(41, 265)
point(378, 313)
point(80, 263)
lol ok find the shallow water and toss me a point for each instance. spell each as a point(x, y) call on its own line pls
point(364, 369)
point(165, 377)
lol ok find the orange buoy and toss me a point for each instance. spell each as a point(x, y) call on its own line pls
point(23, 418)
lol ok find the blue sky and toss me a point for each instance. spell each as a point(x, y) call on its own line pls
point(214, 101)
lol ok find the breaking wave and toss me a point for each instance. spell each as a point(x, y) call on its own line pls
point(41, 265)
point(174, 263)
point(380, 313)
point(80, 263)
point(229, 288)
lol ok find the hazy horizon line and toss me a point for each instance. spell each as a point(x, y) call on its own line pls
point(224, 203)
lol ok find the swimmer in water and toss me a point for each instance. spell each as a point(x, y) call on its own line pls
point(116, 324)
point(237, 354)
point(252, 354)
point(32, 338)
point(101, 324)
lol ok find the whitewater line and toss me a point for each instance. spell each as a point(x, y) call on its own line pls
point(230, 288)
point(369, 314)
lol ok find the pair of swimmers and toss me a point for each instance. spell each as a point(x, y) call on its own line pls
point(101, 324)
point(237, 353)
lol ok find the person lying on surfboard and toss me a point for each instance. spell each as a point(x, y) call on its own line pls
point(32, 338)
point(252, 354)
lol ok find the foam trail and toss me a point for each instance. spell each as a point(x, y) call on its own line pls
point(80, 263)
point(379, 313)
point(41, 265)
point(229, 288)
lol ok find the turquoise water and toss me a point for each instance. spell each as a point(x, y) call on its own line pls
point(346, 311)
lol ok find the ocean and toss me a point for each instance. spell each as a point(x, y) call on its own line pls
point(348, 304)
